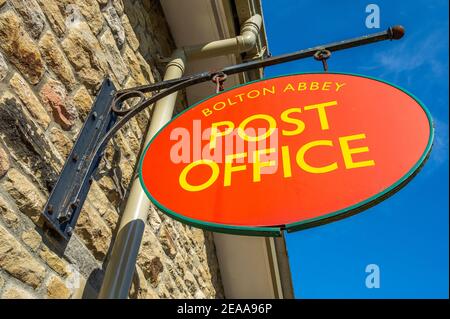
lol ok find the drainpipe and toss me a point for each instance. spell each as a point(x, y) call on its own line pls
point(242, 43)
point(121, 265)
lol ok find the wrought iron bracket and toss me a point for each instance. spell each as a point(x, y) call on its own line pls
point(67, 197)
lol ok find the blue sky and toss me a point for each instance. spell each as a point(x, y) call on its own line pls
point(406, 235)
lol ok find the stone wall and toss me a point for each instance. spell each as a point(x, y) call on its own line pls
point(54, 55)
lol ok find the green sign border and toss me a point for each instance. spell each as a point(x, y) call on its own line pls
point(276, 231)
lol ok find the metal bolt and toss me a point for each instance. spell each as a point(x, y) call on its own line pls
point(75, 157)
point(50, 209)
point(99, 122)
point(94, 115)
point(74, 205)
point(64, 218)
point(69, 230)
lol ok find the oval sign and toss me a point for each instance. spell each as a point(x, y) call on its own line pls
point(289, 152)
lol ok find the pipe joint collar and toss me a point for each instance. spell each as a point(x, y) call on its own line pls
point(249, 33)
point(178, 60)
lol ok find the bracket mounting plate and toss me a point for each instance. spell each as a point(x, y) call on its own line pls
point(69, 193)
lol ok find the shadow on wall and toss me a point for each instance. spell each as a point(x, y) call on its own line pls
point(153, 44)
point(148, 37)
point(213, 264)
point(135, 228)
point(151, 34)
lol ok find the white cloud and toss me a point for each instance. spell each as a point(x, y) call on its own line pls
point(440, 146)
point(413, 52)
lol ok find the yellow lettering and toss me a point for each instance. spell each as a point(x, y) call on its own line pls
point(215, 133)
point(311, 169)
point(270, 91)
point(195, 188)
point(301, 86)
point(299, 123)
point(288, 87)
point(244, 123)
point(217, 108)
point(240, 96)
point(251, 94)
point(286, 161)
point(322, 114)
point(326, 86)
point(338, 86)
point(314, 86)
point(231, 102)
point(347, 151)
point(257, 164)
point(229, 168)
point(206, 112)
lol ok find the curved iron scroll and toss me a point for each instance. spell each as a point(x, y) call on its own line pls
point(142, 105)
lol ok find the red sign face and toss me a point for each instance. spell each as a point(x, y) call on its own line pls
point(286, 153)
